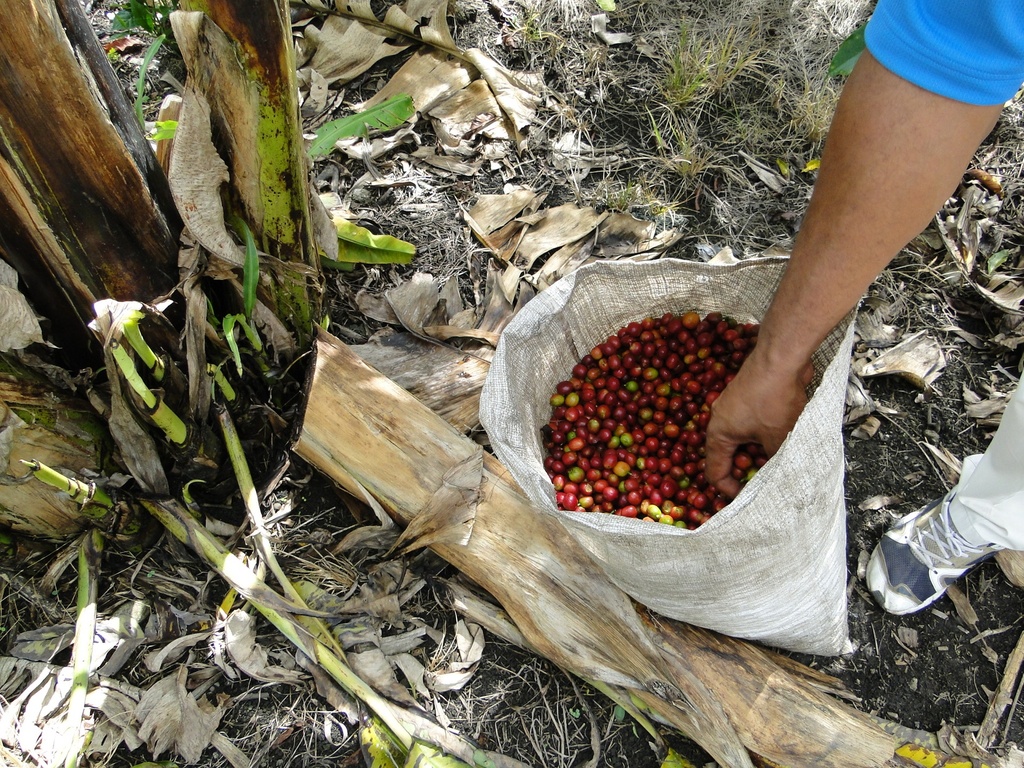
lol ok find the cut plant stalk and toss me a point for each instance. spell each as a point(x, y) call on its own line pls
point(226, 390)
point(131, 529)
point(158, 411)
point(89, 562)
point(407, 726)
point(95, 502)
point(82, 493)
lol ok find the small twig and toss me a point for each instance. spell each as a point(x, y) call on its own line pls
point(1001, 699)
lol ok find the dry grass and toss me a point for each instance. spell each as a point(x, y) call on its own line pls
point(699, 84)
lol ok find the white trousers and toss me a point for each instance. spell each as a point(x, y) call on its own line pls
point(988, 505)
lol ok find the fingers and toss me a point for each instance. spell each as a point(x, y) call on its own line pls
point(719, 450)
point(757, 407)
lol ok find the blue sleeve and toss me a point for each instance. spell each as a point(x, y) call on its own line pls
point(967, 50)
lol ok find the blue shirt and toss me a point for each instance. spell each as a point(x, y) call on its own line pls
point(967, 50)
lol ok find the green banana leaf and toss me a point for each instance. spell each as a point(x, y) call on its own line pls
point(358, 245)
point(389, 114)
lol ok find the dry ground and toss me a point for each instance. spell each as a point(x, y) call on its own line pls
point(703, 90)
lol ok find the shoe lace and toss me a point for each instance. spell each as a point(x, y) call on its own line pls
point(948, 548)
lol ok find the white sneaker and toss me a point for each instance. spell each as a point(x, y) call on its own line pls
point(919, 557)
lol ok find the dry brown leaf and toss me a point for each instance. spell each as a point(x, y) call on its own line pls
point(1005, 291)
point(468, 113)
point(18, 324)
point(881, 501)
point(621, 234)
point(325, 234)
point(376, 307)
point(415, 302)
point(949, 464)
point(973, 339)
point(200, 383)
point(504, 242)
point(367, 537)
point(867, 429)
point(445, 163)
point(508, 282)
point(365, 149)
point(446, 332)
point(428, 77)
point(768, 177)
point(249, 656)
point(155, 661)
point(196, 176)
point(172, 720)
point(874, 331)
point(516, 93)
point(554, 228)
point(988, 411)
point(564, 261)
point(345, 49)
point(492, 212)
point(470, 642)
point(373, 667)
point(859, 403)
point(117, 725)
point(918, 358)
point(498, 308)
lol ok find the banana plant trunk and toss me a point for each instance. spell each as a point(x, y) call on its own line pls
point(85, 211)
point(240, 57)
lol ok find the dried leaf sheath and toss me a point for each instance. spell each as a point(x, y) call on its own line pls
point(360, 425)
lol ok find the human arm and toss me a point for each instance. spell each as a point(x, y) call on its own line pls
point(894, 154)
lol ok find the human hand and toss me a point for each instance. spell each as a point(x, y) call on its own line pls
point(760, 405)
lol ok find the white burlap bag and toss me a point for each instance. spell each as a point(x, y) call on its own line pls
point(769, 567)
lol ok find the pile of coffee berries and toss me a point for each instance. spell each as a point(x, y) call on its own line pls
point(626, 434)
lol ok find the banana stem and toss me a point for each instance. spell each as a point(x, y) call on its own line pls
point(161, 414)
point(89, 559)
point(82, 493)
point(149, 358)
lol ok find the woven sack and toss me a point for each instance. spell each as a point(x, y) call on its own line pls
point(771, 566)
